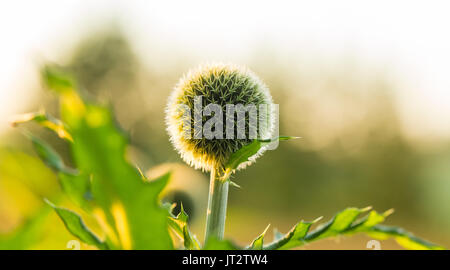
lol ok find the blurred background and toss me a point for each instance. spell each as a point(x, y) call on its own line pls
point(364, 84)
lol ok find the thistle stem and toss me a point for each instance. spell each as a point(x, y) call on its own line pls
point(217, 206)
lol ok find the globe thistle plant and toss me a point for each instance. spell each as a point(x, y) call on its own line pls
point(190, 110)
point(222, 85)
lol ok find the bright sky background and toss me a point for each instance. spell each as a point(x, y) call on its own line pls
point(412, 38)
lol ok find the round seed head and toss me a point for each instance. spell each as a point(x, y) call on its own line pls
point(220, 84)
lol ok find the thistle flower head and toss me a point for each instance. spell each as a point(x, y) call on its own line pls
point(220, 84)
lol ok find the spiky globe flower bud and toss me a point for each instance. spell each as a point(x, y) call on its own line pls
point(224, 85)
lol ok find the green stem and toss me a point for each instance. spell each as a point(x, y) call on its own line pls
point(217, 207)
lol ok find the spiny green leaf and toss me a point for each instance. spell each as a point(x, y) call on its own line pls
point(180, 226)
point(346, 223)
point(258, 243)
point(190, 241)
point(44, 120)
point(340, 223)
point(242, 155)
point(127, 205)
point(246, 152)
point(99, 149)
point(293, 238)
point(76, 226)
point(402, 237)
point(370, 220)
point(370, 225)
point(75, 185)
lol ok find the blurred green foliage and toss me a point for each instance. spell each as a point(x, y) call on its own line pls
point(115, 191)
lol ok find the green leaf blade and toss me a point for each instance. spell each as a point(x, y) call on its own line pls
point(45, 120)
point(77, 188)
point(258, 243)
point(246, 152)
point(346, 223)
point(77, 228)
point(179, 225)
point(402, 237)
point(49, 155)
point(99, 149)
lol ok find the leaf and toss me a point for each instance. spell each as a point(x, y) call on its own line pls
point(129, 205)
point(157, 185)
point(77, 187)
point(346, 223)
point(340, 223)
point(44, 120)
point(49, 156)
point(403, 238)
point(370, 220)
point(126, 206)
point(293, 238)
point(245, 153)
point(77, 228)
point(258, 243)
point(216, 244)
point(180, 226)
